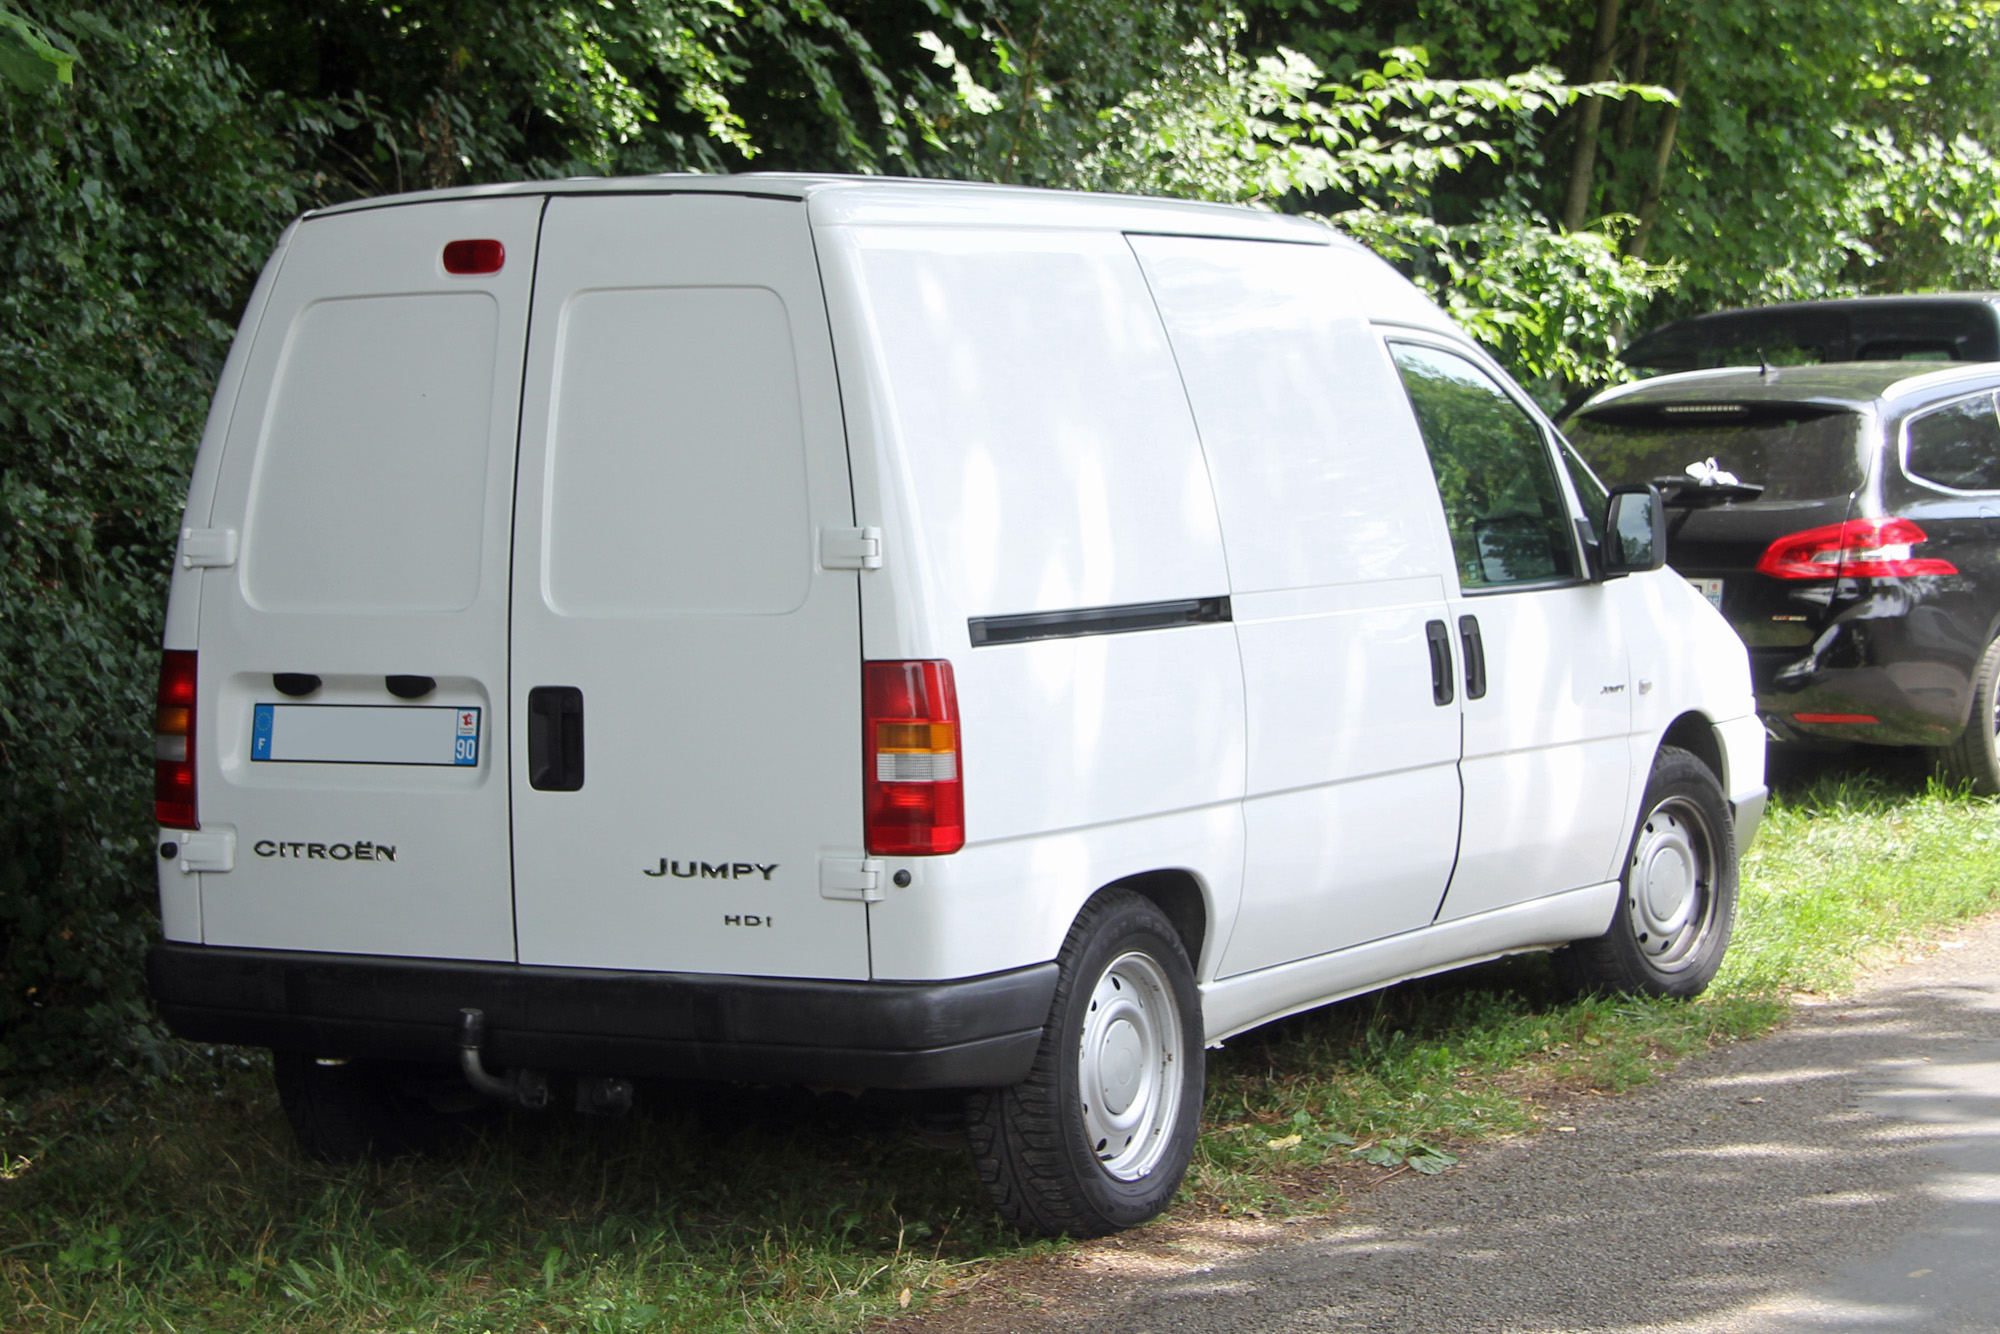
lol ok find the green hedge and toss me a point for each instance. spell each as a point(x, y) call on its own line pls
point(135, 206)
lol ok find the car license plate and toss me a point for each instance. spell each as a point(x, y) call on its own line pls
point(365, 734)
point(1710, 589)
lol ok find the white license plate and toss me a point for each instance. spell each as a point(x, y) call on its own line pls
point(365, 734)
point(1710, 589)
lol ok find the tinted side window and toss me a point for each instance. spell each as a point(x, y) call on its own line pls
point(1508, 519)
point(1957, 446)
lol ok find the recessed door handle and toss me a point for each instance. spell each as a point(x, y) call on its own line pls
point(1438, 636)
point(555, 739)
point(1475, 657)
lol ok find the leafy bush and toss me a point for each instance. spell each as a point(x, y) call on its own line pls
point(134, 207)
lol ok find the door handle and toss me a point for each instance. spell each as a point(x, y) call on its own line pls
point(555, 738)
point(1438, 636)
point(1475, 657)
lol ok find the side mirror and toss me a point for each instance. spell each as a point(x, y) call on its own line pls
point(1635, 531)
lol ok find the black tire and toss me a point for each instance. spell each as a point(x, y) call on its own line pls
point(347, 1111)
point(1057, 1164)
point(1975, 757)
point(1677, 907)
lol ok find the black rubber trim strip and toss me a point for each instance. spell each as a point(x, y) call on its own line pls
point(963, 1033)
point(1097, 621)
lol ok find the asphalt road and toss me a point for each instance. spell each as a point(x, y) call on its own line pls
point(1842, 1174)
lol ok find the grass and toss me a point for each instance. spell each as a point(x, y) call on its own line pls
point(182, 1206)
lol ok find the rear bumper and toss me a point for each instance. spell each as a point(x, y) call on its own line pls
point(964, 1033)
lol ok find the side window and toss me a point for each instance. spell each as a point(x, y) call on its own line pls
point(1508, 519)
point(1957, 446)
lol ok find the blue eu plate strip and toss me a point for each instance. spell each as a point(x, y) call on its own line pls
point(260, 734)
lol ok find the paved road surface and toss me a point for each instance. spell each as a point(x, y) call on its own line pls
point(1843, 1174)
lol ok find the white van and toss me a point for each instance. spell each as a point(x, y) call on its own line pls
point(898, 634)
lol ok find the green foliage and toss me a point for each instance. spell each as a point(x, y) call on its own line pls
point(454, 91)
point(31, 58)
point(134, 208)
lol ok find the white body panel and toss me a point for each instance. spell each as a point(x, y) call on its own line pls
point(1336, 564)
point(614, 466)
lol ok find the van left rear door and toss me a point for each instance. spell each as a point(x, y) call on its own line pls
point(350, 707)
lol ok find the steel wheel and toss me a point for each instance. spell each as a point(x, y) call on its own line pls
point(1099, 1134)
point(1671, 884)
point(1677, 905)
point(1130, 1045)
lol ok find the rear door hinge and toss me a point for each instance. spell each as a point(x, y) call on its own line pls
point(207, 548)
point(850, 548)
point(207, 850)
point(847, 877)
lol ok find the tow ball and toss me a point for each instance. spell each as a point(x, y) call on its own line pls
point(523, 1088)
point(596, 1095)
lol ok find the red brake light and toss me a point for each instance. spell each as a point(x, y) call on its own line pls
point(173, 743)
point(474, 256)
point(914, 784)
point(1859, 548)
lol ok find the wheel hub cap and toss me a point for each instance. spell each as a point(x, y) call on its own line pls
point(1128, 1066)
point(1671, 885)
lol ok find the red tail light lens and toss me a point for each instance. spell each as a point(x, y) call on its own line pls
point(1857, 549)
point(914, 783)
point(474, 256)
point(173, 743)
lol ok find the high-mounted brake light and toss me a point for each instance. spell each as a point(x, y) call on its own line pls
point(173, 743)
point(914, 783)
point(474, 256)
point(1857, 549)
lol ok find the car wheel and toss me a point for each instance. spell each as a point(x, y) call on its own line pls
point(1099, 1135)
point(345, 1111)
point(1975, 757)
point(1677, 905)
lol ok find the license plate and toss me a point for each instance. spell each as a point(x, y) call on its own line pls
point(365, 734)
point(1710, 589)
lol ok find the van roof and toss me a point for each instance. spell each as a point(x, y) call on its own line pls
point(882, 200)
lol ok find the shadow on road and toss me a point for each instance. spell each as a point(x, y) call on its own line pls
point(1844, 1174)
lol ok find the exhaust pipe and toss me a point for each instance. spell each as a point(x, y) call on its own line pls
point(523, 1088)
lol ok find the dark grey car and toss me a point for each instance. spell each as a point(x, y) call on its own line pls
point(1849, 529)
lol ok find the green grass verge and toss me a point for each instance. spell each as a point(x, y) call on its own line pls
point(182, 1206)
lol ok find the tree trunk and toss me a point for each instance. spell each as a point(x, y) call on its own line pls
point(1583, 161)
point(1628, 111)
point(1649, 206)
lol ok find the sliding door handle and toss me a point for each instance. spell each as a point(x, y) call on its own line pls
point(1438, 636)
point(1475, 657)
point(555, 738)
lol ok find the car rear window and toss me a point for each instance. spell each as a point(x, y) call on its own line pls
point(1793, 452)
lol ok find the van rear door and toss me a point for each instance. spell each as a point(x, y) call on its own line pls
point(353, 615)
point(686, 673)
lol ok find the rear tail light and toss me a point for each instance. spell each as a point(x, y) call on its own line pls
point(1857, 549)
point(915, 788)
point(173, 743)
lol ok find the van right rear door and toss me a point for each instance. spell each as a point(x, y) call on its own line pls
point(686, 667)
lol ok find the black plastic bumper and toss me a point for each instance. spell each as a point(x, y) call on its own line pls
point(965, 1033)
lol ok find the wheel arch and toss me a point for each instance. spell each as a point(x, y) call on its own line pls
point(1176, 892)
point(1695, 734)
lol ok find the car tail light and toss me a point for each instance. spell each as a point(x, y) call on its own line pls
point(483, 256)
point(173, 743)
point(1859, 548)
point(915, 784)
